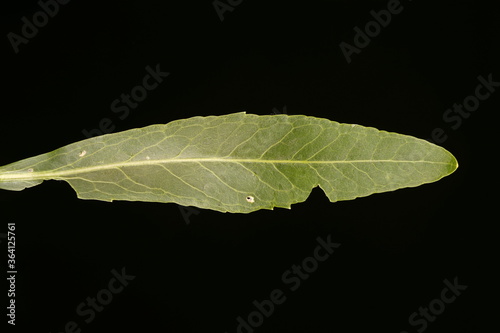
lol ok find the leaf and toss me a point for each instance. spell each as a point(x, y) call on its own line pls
point(237, 163)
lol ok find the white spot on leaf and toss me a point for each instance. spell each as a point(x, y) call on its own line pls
point(250, 199)
point(30, 170)
point(83, 153)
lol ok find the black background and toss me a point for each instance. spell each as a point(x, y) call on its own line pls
point(200, 274)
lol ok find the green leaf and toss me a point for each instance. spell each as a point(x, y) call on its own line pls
point(237, 163)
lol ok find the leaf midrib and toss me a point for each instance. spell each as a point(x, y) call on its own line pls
point(34, 175)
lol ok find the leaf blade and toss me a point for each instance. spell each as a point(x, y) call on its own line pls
point(218, 162)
